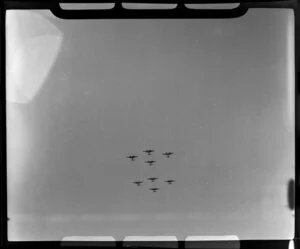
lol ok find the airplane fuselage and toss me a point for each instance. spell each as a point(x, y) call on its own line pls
point(132, 158)
point(168, 154)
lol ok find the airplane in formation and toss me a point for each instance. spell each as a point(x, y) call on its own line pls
point(138, 183)
point(170, 181)
point(149, 152)
point(168, 154)
point(150, 162)
point(132, 157)
point(153, 189)
point(152, 179)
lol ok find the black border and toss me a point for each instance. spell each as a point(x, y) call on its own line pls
point(119, 13)
point(3, 178)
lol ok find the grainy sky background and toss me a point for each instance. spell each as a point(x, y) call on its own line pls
point(217, 93)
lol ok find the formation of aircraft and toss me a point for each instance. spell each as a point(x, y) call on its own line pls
point(168, 154)
point(153, 179)
point(149, 152)
point(132, 157)
point(170, 181)
point(138, 183)
point(154, 189)
point(150, 162)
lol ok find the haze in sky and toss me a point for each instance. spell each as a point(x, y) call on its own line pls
point(217, 93)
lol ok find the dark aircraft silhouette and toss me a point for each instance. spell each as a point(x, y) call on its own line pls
point(291, 194)
point(132, 157)
point(168, 154)
point(138, 183)
point(170, 181)
point(153, 189)
point(152, 179)
point(150, 162)
point(149, 152)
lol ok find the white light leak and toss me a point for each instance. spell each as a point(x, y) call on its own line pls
point(31, 64)
point(33, 43)
point(291, 244)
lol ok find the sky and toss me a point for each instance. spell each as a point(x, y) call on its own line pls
point(217, 93)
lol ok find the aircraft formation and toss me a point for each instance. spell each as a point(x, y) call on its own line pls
point(153, 179)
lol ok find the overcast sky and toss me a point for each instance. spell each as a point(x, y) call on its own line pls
point(217, 93)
